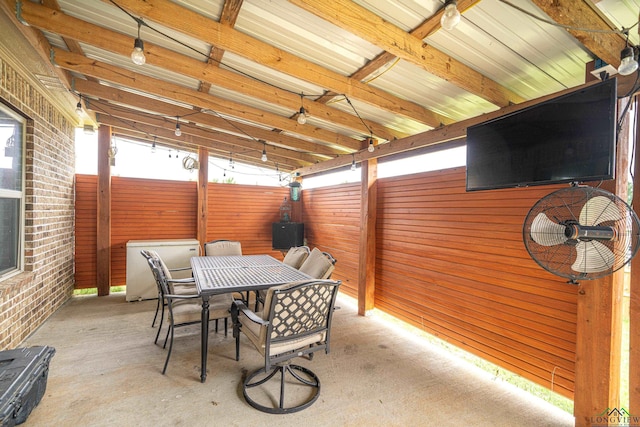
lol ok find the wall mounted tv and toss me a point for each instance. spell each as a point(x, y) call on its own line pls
point(570, 138)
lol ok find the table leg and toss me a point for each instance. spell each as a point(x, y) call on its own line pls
point(204, 346)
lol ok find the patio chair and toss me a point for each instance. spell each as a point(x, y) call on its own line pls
point(185, 309)
point(222, 248)
point(295, 321)
point(186, 285)
point(318, 265)
point(296, 256)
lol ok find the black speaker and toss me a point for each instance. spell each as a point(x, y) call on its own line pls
point(285, 235)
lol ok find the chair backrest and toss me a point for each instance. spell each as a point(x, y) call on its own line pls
point(222, 248)
point(299, 315)
point(318, 264)
point(296, 256)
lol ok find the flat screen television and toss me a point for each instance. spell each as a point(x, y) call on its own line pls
point(570, 138)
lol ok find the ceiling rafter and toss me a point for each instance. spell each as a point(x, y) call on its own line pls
point(142, 103)
point(369, 26)
point(191, 23)
point(67, 26)
point(103, 71)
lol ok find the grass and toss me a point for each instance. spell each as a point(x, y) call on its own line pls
point(94, 291)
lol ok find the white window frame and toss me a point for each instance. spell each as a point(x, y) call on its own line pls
point(17, 194)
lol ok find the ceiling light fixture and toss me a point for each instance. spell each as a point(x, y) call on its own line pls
point(264, 152)
point(153, 146)
point(451, 16)
point(79, 106)
point(371, 148)
point(629, 60)
point(137, 55)
point(178, 132)
point(302, 115)
point(353, 163)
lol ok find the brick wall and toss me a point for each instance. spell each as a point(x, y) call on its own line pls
point(29, 298)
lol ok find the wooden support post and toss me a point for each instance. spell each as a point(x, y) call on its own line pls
point(599, 327)
point(367, 258)
point(203, 196)
point(634, 297)
point(103, 227)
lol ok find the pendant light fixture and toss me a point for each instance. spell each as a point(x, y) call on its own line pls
point(264, 152)
point(79, 111)
point(628, 60)
point(302, 115)
point(371, 148)
point(178, 132)
point(153, 146)
point(353, 163)
point(451, 16)
point(137, 55)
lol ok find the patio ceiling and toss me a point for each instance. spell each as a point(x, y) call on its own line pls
point(234, 74)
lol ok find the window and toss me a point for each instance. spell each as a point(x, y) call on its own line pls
point(11, 191)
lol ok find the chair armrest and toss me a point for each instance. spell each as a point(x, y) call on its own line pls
point(240, 306)
point(180, 269)
point(185, 280)
point(190, 296)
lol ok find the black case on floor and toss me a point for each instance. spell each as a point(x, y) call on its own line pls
point(23, 380)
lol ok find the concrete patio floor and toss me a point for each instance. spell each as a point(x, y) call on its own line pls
point(107, 372)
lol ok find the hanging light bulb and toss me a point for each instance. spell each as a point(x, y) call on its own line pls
point(137, 55)
point(153, 146)
point(79, 106)
point(302, 114)
point(353, 164)
point(178, 131)
point(451, 17)
point(371, 148)
point(264, 152)
point(629, 62)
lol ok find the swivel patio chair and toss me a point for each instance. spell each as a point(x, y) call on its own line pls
point(295, 321)
point(185, 309)
point(222, 248)
point(318, 265)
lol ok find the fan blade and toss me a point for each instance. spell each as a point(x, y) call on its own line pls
point(598, 210)
point(592, 257)
point(546, 232)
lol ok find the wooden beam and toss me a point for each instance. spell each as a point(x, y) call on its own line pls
point(371, 27)
point(581, 14)
point(143, 103)
point(103, 226)
point(156, 126)
point(76, 29)
point(188, 22)
point(367, 252)
point(203, 197)
point(634, 294)
point(166, 90)
point(440, 135)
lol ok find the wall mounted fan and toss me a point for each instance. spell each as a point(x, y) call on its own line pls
point(581, 233)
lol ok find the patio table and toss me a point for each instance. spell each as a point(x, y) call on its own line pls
point(216, 275)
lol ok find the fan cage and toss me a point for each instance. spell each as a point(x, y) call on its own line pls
point(582, 258)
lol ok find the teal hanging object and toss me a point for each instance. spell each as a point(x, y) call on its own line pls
point(294, 191)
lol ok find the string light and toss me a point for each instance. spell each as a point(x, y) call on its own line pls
point(264, 152)
point(153, 146)
point(451, 17)
point(137, 55)
point(353, 163)
point(302, 115)
point(79, 106)
point(178, 132)
point(371, 148)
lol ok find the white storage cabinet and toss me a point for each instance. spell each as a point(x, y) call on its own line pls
point(175, 253)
